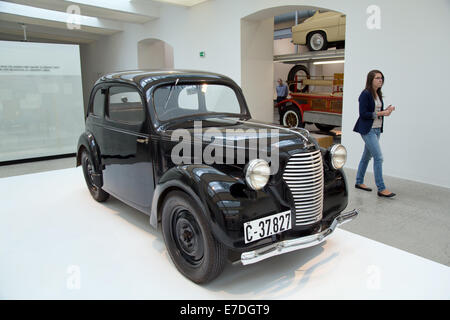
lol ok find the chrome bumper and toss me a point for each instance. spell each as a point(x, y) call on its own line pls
point(296, 244)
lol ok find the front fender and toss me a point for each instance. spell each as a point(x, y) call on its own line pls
point(226, 201)
point(299, 36)
point(203, 184)
point(283, 104)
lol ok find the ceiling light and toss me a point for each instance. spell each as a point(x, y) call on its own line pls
point(329, 62)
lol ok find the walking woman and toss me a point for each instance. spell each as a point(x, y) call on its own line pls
point(370, 126)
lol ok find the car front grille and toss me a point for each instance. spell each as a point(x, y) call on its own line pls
point(304, 176)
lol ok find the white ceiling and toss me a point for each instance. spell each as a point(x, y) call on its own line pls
point(54, 20)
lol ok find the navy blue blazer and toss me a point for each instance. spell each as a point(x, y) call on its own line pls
point(366, 113)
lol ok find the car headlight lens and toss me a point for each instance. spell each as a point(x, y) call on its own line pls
point(338, 156)
point(257, 174)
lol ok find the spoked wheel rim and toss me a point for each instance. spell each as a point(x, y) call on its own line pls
point(188, 236)
point(290, 119)
point(88, 172)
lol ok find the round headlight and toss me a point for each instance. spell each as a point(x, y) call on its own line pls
point(338, 156)
point(257, 174)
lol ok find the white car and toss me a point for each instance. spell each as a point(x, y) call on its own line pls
point(320, 30)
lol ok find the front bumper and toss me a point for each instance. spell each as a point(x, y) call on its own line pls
point(296, 244)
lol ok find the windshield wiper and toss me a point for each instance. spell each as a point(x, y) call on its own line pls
point(170, 93)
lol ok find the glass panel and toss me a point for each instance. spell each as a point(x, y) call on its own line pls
point(41, 100)
point(188, 98)
point(99, 103)
point(125, 105)
point(220, 99)
point(172, 102)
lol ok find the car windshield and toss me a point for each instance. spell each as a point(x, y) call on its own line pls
point(175, 101)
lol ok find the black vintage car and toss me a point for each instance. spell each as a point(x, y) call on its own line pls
point(181, 147)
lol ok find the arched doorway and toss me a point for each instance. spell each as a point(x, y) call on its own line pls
point(155, 54)
point(258, 70)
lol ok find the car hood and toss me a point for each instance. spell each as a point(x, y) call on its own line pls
point(229, 144)
point(230, 130)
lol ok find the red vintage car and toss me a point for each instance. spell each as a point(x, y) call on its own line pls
point(324, 109)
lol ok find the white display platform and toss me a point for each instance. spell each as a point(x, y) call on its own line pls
point(56, 242)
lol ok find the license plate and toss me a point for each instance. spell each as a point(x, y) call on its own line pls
point(267, 226)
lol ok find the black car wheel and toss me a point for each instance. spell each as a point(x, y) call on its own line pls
point(291, 117)
point(324, 127)
point(88, 170)
point(317, 40)
point(189, 241)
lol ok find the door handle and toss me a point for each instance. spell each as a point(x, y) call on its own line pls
point(142, 140)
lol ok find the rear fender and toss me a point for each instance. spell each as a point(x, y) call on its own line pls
point(87, 142)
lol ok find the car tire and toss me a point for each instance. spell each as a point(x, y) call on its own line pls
point(88, 169)
point(291, 78)
point(291, 117)
point(189, 240)
point(317, 41)
point(324, 127)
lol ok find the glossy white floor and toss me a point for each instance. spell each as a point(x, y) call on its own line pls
point(56, 242)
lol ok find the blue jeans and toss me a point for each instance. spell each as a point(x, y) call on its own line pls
point(371, 149)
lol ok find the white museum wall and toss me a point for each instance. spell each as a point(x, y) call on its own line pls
point(415, 136)
point(401, 49)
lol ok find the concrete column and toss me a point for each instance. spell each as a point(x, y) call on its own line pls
point(257, 67)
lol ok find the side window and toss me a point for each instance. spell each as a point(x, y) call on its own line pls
point(98, 106)
point(125, 105)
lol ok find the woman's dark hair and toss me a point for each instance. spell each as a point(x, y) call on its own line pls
point(370, 76)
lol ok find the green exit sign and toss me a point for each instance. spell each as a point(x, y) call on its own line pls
point(202, 54)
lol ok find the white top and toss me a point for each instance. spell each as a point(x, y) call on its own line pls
point(377, 122)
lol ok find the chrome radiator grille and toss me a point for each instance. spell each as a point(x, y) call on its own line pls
point(304, 177)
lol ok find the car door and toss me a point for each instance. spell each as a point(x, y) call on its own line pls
point(126, 155)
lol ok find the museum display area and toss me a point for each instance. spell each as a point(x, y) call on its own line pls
point(76, 248)
point(125, 218)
